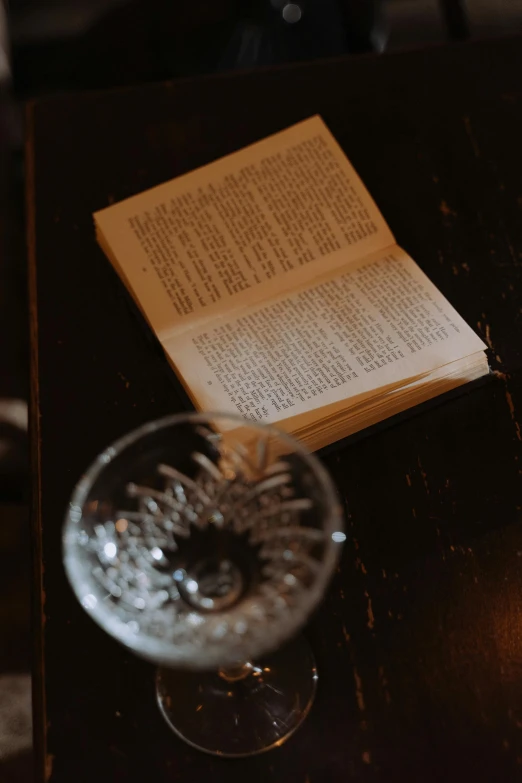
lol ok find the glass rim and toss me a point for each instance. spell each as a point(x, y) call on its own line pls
point(157, 649)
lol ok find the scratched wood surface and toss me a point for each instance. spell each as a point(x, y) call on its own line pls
point(419, 640)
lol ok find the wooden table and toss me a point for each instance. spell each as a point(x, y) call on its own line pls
point(419, 641)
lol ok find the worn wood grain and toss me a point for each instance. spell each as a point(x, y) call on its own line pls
point(419, 640)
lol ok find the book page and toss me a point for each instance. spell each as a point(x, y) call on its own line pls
point(367, 408)
point(323, 426)
point(275, 212)
point(370, 325)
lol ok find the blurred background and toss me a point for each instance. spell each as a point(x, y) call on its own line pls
point(54, 46)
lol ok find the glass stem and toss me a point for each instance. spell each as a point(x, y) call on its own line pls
point(236, 673)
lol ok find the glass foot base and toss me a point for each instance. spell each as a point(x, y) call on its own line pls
point(243, 711)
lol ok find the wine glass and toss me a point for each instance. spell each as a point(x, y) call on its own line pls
point(202, 543)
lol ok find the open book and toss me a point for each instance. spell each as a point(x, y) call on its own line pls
point(278, 291)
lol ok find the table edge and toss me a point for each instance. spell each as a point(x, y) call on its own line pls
point(41, 766)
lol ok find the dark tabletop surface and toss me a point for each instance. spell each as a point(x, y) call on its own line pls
point(419, 640)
